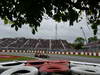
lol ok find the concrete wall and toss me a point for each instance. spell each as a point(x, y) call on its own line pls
point(54, 52)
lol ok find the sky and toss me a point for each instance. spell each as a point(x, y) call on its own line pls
point(47, 30)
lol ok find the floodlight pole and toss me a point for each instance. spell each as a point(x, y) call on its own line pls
point(56, 32)
point(84, 34)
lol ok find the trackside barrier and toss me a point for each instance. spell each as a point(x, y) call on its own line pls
point(82, 53)
point(16, 51)
point(67, 53)
point(3, 51)
point(63, 53)
point(54, 52)
point(86, 53)
point(32, 51)
point(8, 50)
point(12, 50)
point(99, 54)
point(24, 51)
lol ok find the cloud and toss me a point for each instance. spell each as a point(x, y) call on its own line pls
point(47, 30)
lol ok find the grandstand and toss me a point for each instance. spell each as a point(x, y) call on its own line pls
point(93, 45)
point(23, 43)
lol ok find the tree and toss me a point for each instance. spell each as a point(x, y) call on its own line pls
point(92, 39)
point(79, 42)
point(21, 12)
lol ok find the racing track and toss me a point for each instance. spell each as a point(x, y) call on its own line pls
point(76, 58)
point(54, 57)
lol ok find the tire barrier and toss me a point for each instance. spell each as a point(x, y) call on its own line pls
point(36, 63)
point(85, 70)
point(77, 63)
point(7, 65)
point(22, 61)
point(64, 62)
point(54, 68)
point(21, 70)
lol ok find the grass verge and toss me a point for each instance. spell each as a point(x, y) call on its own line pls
point(80, 55)
point(12, 59)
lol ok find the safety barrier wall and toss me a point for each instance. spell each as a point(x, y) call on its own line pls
point(54, 52)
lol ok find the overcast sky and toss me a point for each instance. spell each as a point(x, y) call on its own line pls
point(47, 30)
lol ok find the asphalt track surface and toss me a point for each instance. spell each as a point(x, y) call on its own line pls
point(55, 57)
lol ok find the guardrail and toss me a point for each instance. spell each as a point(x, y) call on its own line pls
point(54, 52)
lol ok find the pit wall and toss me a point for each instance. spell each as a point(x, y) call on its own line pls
point(52, 52)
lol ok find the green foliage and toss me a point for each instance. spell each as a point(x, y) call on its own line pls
point(33, 31)
point(92, 39)
point(77, 46)
point(14, 59)
point(79, 42)
point(5, 20)
point(21, 12)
